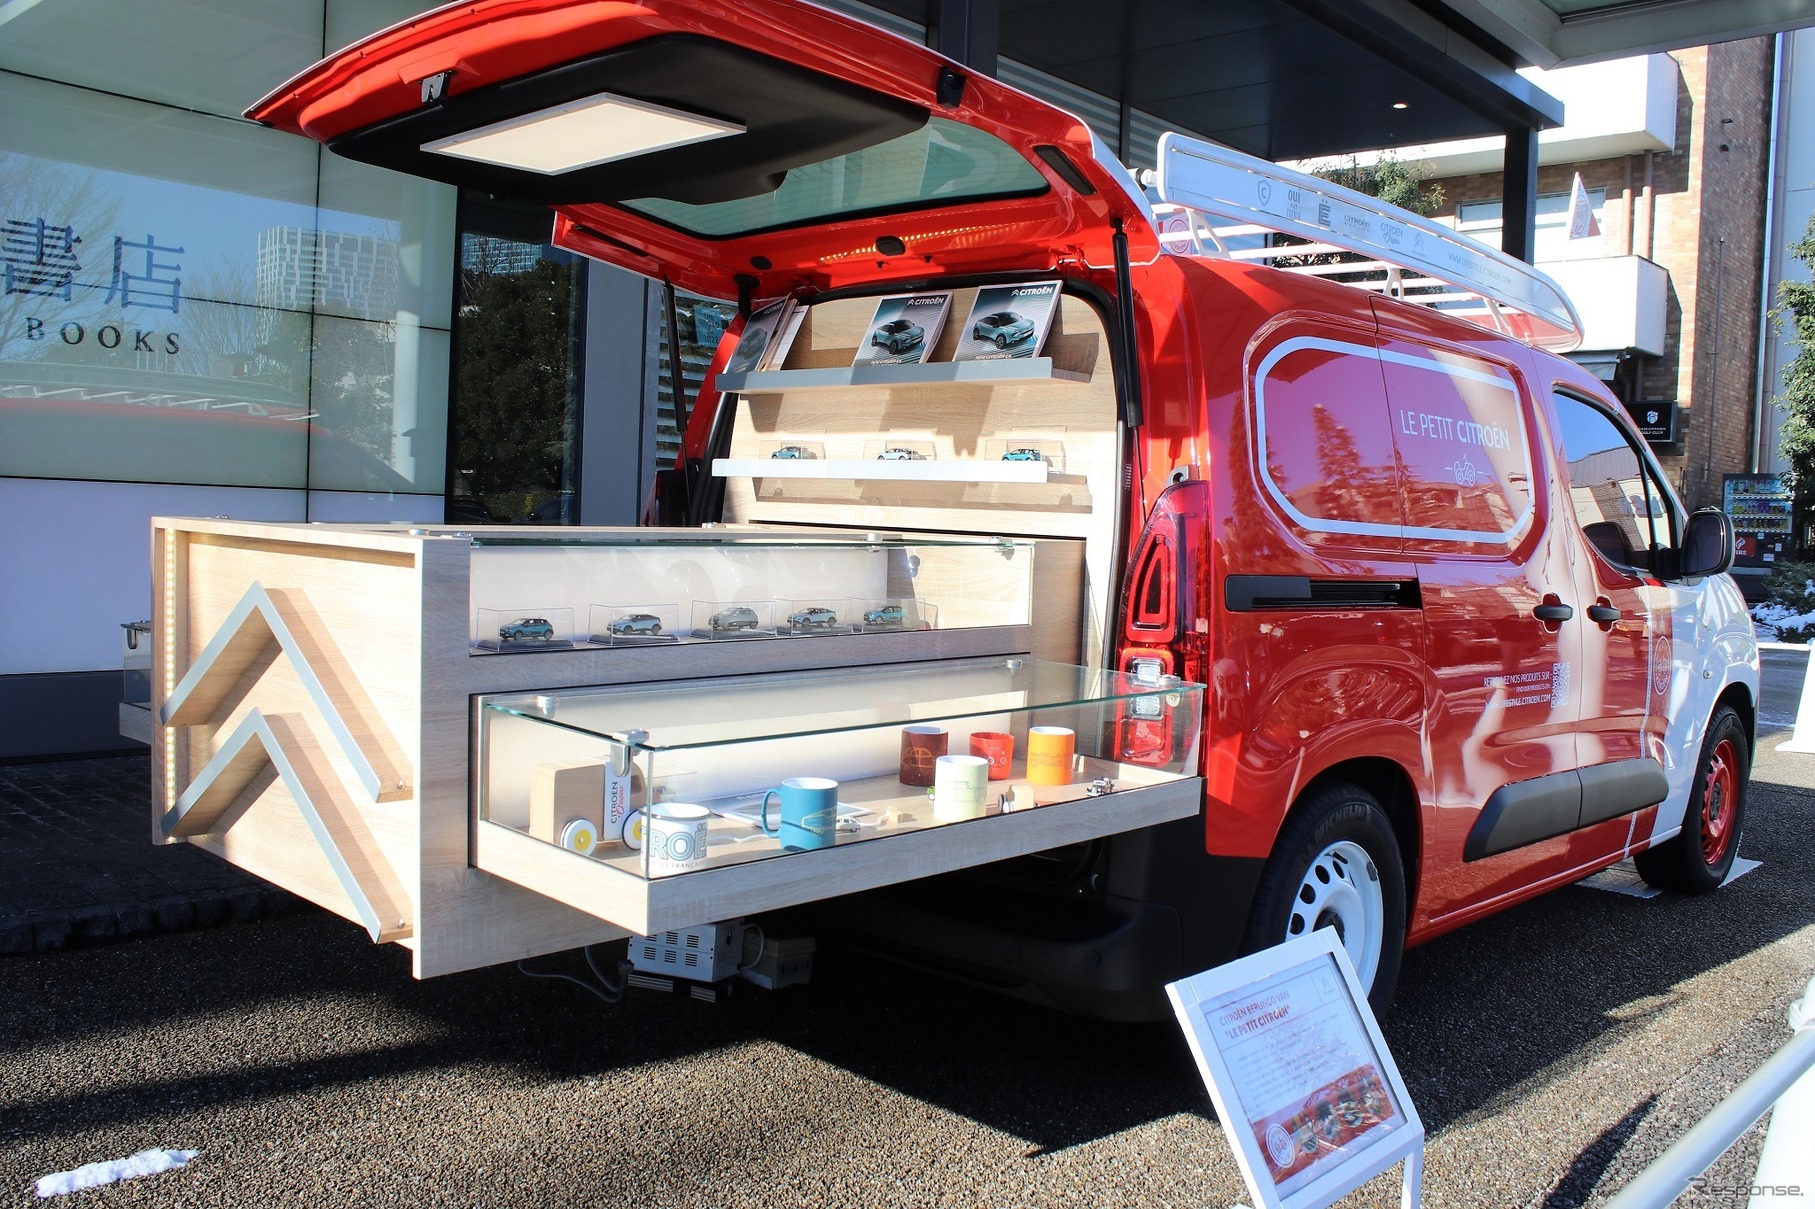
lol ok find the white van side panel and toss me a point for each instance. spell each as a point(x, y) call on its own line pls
point(1712, 648)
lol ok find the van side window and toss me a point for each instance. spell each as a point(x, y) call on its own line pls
point(1622, 510)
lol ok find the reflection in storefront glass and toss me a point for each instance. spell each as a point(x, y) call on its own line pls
point(176, 308)
point(515, 407)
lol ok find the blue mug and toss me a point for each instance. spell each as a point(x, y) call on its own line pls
point(809, 812)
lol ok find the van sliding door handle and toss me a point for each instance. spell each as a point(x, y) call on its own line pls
point(1553, 612)
point(1602, 614)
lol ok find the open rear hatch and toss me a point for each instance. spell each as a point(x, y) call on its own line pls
point(752, 150)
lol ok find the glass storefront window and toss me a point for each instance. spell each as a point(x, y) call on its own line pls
point(516, 391)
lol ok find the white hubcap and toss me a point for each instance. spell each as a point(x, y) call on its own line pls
point(1341, 890)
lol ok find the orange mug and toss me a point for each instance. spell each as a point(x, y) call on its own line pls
point(1049, 754)
point(998, 747)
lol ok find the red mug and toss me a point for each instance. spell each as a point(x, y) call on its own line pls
point(998, 747)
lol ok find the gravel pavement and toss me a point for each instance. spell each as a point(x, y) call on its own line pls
point(1552, 1051)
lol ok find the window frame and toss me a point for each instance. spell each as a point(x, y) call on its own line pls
point(1674, 513)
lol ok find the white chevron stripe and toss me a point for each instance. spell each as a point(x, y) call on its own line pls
point(265, 616)
point(284, 743)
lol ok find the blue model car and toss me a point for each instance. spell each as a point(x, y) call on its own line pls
point(1003, 328)
point(636, 623)
point(791, 453)
point(1024, 455)
point(898, 335)
point(886, 615)
point(527, 629)
point(818, 616)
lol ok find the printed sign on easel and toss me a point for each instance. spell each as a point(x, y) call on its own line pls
point(1303, 1083)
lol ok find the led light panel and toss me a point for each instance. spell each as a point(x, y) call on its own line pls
point(579, 134)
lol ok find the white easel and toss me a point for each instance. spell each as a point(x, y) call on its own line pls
point(1280, 1037)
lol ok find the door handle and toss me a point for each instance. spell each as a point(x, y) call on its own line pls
point(1553, 612)
point(1603, 614)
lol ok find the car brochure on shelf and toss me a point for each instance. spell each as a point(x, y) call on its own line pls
point(904, 329)
point(783, 340)
point(759, 333)
point(1008, 321)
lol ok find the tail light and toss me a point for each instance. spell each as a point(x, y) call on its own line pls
point(1161, 634)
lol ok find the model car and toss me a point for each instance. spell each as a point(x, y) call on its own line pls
point(886, 615)
point(1003, 328)
point(526, 629)
point(816, 616)
point(737, 617)
point(1024, 455)
point(897, 454)
point(792, 453)
point(898, 335)
point(636, 623)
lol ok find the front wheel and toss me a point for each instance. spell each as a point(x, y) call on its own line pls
point(1698, 858)
point(1336, 865)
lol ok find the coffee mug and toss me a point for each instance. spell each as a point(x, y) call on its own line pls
point(920, 746)
point(809, 812)
point(959, 785)
point(1049, 753)
point(674, 837)
point(998, 747)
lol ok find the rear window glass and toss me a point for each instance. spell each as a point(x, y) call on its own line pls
point(942, 162)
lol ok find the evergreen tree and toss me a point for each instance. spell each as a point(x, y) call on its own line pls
point(1796, 396)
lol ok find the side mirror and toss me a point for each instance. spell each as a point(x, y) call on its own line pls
point(1707, 547)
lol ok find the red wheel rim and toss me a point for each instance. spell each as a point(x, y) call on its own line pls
point(1720, 801)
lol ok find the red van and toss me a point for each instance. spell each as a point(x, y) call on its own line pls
point(1462, 642)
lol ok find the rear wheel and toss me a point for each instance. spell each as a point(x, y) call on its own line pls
point(1336, 865)
point(1699, 857)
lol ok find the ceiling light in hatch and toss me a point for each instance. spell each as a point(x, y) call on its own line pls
point(579, 134)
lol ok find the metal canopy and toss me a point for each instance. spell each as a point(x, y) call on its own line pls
point(1303, 79)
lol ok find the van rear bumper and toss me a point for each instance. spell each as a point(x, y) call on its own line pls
point(1104, 954)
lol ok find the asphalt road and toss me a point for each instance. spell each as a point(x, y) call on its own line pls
point(1552, 1051)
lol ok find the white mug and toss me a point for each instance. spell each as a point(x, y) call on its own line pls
point(959, 785)
point(674, 837)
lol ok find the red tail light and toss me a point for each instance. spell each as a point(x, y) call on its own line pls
point(1161, 635)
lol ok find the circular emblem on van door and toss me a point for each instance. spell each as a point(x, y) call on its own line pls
point(1660, 666)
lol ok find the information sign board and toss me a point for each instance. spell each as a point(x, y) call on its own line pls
point(1303, 1083)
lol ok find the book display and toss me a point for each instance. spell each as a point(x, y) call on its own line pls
point(904, 329)
point(1007, 321)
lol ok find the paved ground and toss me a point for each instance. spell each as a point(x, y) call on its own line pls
point(77, 864)
point(1552, 1051)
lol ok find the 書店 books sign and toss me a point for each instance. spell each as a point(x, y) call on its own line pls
point(1303, 1084)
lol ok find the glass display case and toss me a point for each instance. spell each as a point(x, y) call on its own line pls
point(636, 587)
point(636, 789)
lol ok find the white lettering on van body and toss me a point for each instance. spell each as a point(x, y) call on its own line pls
point(1445, 428)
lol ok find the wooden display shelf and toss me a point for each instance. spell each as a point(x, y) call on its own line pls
point(931, 373)
point(313, 713)
point(920, 470)
point(745, 878)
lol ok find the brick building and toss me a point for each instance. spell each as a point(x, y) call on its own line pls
point(1670, 290)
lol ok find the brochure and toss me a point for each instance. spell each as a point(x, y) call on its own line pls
point(904, 329)
point(1008, 321)
point(783, 340)
point(759, 331)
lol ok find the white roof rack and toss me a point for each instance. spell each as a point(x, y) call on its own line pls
point(1216, 201)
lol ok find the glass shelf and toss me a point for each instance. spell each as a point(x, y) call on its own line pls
point(575, 786)
point(615, 588)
